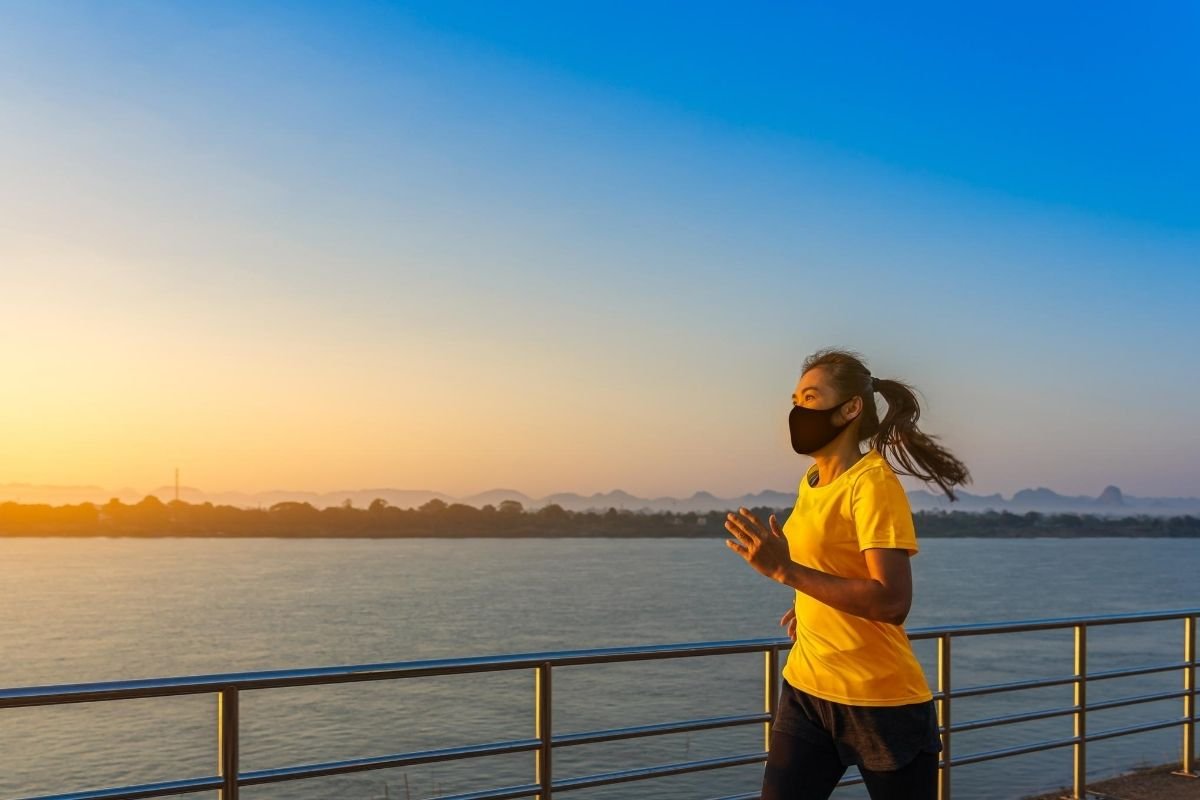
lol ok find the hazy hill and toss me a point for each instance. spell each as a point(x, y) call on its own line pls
point(1111, 501)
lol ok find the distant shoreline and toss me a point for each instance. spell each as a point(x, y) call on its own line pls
point(153, 519)
point(425, 537)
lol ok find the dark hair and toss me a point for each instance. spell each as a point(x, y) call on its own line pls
point(897, 432)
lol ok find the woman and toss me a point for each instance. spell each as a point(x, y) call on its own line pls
point(853, 691)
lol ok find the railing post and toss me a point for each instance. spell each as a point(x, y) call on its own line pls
point(1079, 782)
point(771, 687)
point(943, 652)
point(227, 743)
point(1189, 699)
point(542, 729)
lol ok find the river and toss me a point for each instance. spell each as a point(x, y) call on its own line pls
point(92, 609)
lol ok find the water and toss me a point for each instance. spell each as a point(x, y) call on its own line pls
point(77, 610)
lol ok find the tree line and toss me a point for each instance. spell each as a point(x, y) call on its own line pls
point(151, 518)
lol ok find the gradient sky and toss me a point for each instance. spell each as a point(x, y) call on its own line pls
point(466, 246)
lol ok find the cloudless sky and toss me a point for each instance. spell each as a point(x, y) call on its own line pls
point(567, 247)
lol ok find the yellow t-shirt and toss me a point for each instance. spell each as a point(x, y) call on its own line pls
point(838, 656)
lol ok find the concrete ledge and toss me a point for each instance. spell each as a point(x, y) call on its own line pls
point(1163, 782)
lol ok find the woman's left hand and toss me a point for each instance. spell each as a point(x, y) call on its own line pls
point(765, 549)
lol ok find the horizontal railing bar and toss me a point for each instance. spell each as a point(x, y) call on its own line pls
point(1112, 733)
point(989, 755)
point(295, 773)
point(1062, 711)
point(142, 790)
point(645, 773)
point(657, 729)
point(1009, 719)
point(304, 771)
point(1019, 626)
point(507, 793)
point(1038, 683)
point(163, 687)
point(1013, 686)
point(272, 679)
point(167, 687)
point(1146, 670)
point(1135, 699)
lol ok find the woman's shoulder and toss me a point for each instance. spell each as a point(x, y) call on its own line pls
point(875, 470)
point(874, 462)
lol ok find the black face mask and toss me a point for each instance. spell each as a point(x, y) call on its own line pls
point(813, 428)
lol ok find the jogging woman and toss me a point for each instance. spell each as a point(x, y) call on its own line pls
point(853, 691)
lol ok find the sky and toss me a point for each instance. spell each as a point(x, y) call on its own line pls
point(581, 247)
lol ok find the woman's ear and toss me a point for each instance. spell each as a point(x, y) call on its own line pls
point(856, 408)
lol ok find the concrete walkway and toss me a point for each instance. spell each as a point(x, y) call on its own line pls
point(1150, 783)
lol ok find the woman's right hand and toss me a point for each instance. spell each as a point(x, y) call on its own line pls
point(789, 622)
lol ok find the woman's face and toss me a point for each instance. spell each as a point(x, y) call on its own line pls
point(813, 391)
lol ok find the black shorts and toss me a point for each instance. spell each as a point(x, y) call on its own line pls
point(876, 737)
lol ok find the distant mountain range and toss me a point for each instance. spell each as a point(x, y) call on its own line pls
point(1110, 502)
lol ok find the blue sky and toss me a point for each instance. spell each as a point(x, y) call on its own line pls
point(560, 247)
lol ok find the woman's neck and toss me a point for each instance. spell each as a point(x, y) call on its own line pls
point(832, 464)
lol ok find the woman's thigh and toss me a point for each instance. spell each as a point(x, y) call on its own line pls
point(916, 780)
point(798, 769)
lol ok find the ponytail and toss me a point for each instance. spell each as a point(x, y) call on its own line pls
point(911, 450)
point(915, 452)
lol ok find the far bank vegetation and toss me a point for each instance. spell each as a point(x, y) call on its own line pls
point(153, 518)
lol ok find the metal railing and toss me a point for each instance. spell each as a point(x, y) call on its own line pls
point(228, 688)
